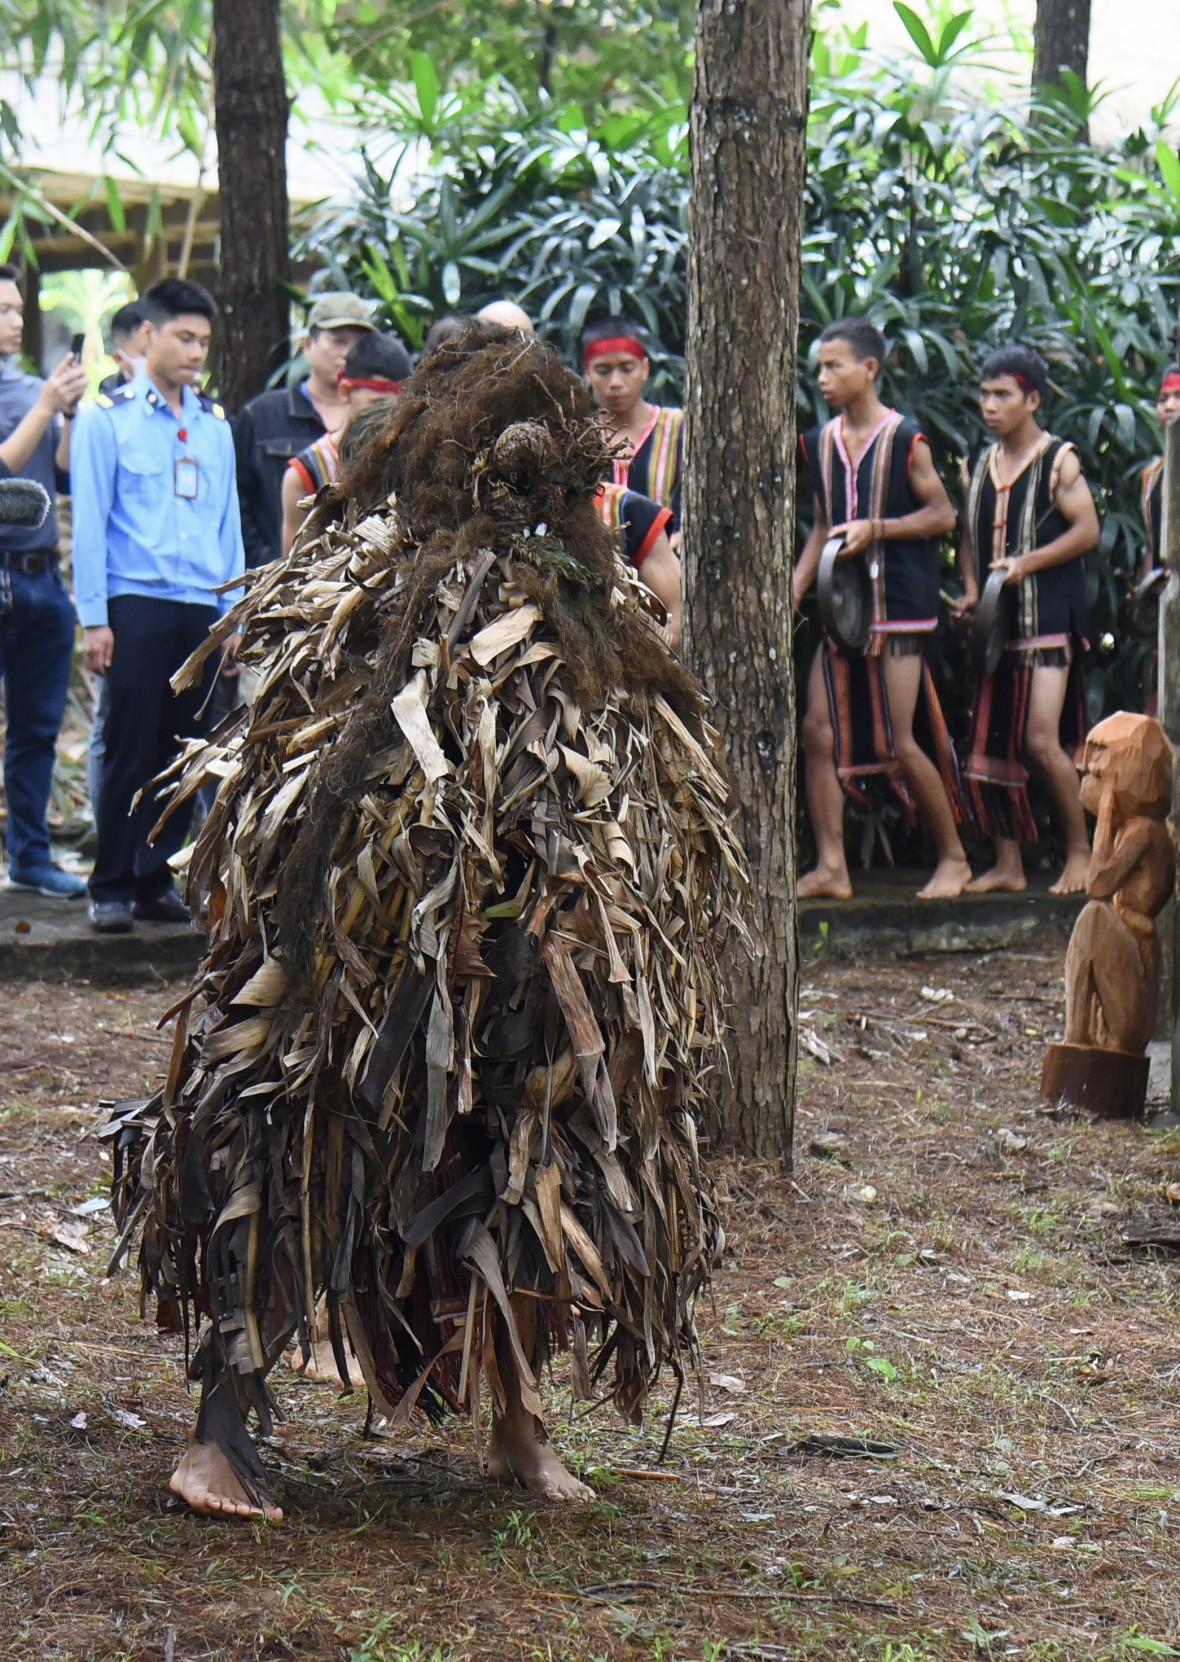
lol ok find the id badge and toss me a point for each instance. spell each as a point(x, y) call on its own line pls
point(185, 473)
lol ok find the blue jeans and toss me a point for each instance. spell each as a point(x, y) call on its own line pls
point(36, 651)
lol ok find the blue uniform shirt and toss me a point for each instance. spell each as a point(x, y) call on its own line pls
point(135, 532)
point(18, 394)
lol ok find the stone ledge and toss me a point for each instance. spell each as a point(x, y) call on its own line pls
point(885, 919)
point(51, 940)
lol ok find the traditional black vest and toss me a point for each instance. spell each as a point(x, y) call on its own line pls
point(905, 584)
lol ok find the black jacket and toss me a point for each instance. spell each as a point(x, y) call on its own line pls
point(268, 431)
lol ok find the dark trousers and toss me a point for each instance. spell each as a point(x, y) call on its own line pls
point(36, 649)
point(144, 724)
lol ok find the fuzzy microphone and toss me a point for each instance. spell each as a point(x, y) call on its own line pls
point(23, 502)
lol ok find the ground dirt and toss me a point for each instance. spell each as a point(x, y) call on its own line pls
point(943, 1274)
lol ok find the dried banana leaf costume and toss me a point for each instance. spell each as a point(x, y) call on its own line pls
point(466, 878)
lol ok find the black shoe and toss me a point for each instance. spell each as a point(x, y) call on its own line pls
point(166, 908)
point(109, 917)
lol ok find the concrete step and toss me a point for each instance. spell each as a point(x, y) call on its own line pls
point(51, 940)
point(885, 919)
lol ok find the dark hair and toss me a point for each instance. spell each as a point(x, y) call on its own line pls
point(128, 319)
point(9, 274)
point(176, 297)
point(443, 329)
point(1022, 363)
point(608, 327)
point(382, 355)
point(865, 339)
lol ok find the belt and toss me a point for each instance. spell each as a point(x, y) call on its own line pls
point(32, 561)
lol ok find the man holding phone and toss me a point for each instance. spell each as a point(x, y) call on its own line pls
point(36, 613)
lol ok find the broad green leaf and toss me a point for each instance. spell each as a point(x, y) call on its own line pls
point(917, 31)
point(1169, 166)
point(951, 32)
point(427, 87)
point(603, 232)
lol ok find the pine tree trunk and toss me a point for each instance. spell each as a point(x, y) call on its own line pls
point(251, 113)
point(1061, 40)
point(748, 132)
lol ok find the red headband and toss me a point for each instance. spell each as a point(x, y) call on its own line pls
point(1170, 382)
point(1024, 382)
point(613, 343)
point(372, 383)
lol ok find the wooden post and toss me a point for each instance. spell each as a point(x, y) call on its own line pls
point(1169, 697)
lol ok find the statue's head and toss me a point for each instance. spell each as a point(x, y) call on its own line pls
point(1130, 755)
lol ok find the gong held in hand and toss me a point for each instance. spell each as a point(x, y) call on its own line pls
point(991, 627)
point(845, 590)
point(1145, 603)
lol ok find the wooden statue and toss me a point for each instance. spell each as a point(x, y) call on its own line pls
point(1112, 966)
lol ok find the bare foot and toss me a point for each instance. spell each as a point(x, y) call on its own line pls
point(999, 880)
point(833, 885)
point(1075, 876)
point(951, 877)
point(321, 1366)
point(516, 1454)
point(205, 1481)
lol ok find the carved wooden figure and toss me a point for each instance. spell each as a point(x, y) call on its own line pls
point(1112, 966)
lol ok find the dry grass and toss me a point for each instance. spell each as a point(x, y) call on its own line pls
point(977, 1313)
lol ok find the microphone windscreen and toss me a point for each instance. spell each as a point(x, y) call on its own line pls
point(23, 502)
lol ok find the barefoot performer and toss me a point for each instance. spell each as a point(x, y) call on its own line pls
point(466, 877)
point(1151, 505)
point(1029, 512)
point(1167, 408)
point(873, 480)
point(617, 369)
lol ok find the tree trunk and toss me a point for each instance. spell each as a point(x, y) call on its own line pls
point(748, 133)
point(1061, 40)
point(251, 113)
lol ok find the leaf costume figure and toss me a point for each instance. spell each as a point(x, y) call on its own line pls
point(466, 880)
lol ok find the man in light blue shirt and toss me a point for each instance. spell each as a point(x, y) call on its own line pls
point(156, 532)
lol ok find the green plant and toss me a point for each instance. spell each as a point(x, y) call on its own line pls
point(943, 212)
point(863, 1351)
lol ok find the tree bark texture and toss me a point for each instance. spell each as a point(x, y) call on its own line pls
point(1061, 40)
point(748, 133)
point(251, 114)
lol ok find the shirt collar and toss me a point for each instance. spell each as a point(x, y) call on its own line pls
point(301, 404)
point(148, 393)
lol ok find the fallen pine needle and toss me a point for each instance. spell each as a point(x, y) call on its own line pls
point(785, 1596)
point(644, 1472)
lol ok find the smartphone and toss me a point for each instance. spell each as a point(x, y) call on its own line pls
point(77, 346)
